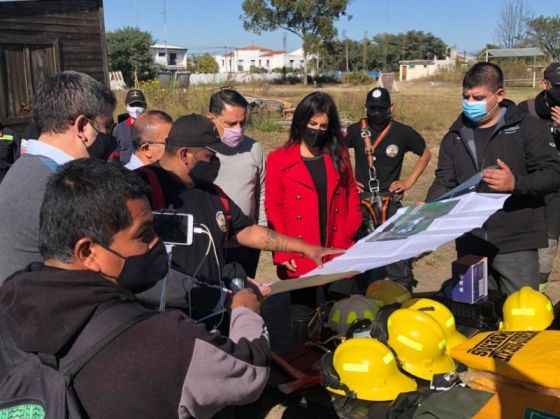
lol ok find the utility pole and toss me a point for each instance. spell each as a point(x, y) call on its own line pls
point(364, 55)
point(285, 47)
point(346, 49)
point(165, 34)
point(384, 54)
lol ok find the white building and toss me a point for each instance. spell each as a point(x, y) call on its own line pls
point(252, 56)
point(418, 69)
point(170, 57)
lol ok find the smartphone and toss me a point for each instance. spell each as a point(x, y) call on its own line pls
point(172, 228)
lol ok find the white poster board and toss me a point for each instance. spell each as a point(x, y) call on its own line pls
point(410, 232)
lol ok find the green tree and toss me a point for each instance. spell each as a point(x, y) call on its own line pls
point(128, 50)
point(544, 32)
point(388, 49)
point(311, 20)
point(207, 64)
point(384, 51)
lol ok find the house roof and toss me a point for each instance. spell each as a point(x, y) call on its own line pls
point(512, 52)
point(419, 62)
point(162, 46)
point(271, 53)
point(253, 48)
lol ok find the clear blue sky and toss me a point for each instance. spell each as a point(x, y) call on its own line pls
point(202, 25)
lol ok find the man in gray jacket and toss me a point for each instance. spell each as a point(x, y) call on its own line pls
point(74, 114)
point(242, 171)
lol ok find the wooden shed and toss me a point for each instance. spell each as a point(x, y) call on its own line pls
point(41, 38)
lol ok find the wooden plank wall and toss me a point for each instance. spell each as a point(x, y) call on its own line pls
point(76, 23)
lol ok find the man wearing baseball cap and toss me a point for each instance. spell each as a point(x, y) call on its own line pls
point(135, 106)
point(546, 106)
point(378, 172)
point(183, 180)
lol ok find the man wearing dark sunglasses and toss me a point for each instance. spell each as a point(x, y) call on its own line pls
point(150, 132)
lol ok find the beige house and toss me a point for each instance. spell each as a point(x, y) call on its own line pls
point(418, 69)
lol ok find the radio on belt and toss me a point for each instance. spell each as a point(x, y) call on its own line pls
point(470, 279)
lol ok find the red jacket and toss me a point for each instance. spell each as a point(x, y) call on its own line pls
point(292, 205)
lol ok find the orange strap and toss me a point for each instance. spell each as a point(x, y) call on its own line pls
point(383, 210)
point(367, 138)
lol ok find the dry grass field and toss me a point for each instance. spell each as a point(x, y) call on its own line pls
point(429, 109)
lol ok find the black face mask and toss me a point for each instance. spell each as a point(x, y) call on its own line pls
point(205, 173)
point(103, 146)
point(378, 118)
point(142, 272)
point(553, 96)
point(314, 138)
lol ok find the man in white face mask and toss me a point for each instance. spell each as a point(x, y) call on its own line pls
point(242, 170)
point(135, 106)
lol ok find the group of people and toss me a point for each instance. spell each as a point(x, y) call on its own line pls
point(76, 232)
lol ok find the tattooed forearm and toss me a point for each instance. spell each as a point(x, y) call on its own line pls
point(275, 242)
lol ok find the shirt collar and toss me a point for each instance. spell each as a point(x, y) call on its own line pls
point(134, 163)
point(39, 148)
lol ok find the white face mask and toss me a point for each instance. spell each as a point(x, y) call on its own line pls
point(135, 111)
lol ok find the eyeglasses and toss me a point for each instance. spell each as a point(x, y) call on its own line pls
point(155, 142)
point(105, 129)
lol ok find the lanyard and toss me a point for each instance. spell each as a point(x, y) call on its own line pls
point(370, 150)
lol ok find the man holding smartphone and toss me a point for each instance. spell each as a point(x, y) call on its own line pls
point(183, 181)
point(99, 249)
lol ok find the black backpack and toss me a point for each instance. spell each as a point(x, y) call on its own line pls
point(39, 386)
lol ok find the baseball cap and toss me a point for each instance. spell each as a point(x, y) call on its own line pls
point(378, 97)
point(552, 73)
point(197, 131)
point(135, 95)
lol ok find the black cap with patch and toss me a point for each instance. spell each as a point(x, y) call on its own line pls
point(552, 73)
point(196, 131)
point(378, 97)
point(135, 95)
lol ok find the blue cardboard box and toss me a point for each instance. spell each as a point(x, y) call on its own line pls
point(470, 279)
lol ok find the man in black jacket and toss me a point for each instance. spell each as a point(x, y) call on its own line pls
point(546, 106)
point(99, 247)
point(513, 152)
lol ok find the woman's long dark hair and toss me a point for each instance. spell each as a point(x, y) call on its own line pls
point(311, 105)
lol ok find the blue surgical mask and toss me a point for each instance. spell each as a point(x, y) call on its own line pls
point(475, 111)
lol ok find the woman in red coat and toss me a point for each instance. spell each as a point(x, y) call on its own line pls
point(310, 190)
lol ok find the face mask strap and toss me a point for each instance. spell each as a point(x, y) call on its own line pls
point(112, 251)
